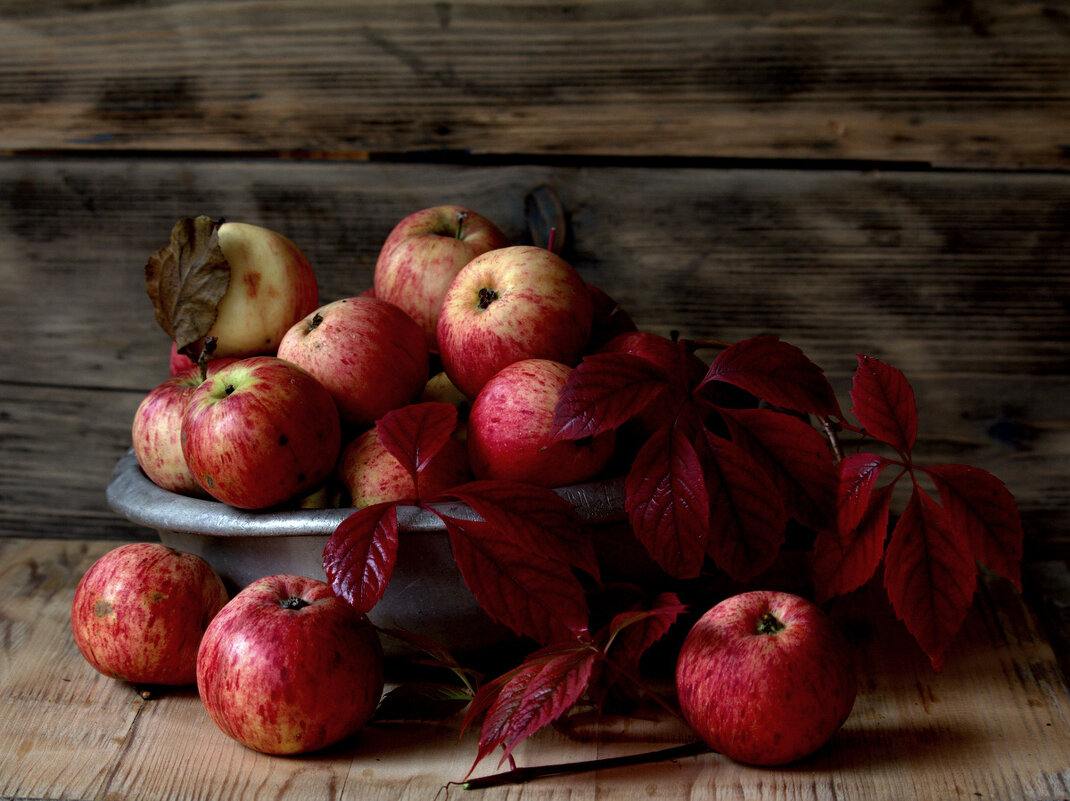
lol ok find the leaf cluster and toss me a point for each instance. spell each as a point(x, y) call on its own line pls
point(723, 461)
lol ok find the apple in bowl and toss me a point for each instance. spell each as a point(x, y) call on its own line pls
point(513, 303)
point(422, 255)
point(259, 432)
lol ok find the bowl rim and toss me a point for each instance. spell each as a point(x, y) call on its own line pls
point(133, 495)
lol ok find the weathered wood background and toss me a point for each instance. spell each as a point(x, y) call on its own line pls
point(887, 178)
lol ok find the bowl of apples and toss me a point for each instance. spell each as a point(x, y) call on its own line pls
point(301, 420)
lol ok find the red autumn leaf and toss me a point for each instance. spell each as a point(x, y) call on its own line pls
point(780, 373)
point(536, 693)
point(359, 556)
point(536, 518)
point(929, 575)
point(666, 500)
point(794, 455)
point(631, 633)
point(414, 433)
point(844, 560)
point(981, 505)
point(884, 403)
point(747, 516)
point(858, 474)
point(533, 595)
point(604, 391)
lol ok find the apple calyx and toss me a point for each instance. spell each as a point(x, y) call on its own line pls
point(314, 323)
point(769, 623)
point(487, 296)
point(294, 602)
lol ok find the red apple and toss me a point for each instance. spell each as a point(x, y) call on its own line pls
point(372, 475)
point(369, 354)
point(140, 611)
point(765, 678)
point(260, 431)
point(424, 252)
point(509, 430)
point(179, 363)
point(157, 430)
point(288, 667)
point(514, 303)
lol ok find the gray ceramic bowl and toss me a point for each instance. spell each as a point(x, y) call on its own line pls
point(426, 594)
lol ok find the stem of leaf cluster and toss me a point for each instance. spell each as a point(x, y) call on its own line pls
point(834, 441)
point(521, 775)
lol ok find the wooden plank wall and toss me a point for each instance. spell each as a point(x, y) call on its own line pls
point(887, 178)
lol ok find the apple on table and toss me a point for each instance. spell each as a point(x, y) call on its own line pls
point(287, 667)
point(140, 611)
point(765, 677)
point(422, 255)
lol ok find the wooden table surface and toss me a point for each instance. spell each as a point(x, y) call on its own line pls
point(887, 178)
point(995, 723)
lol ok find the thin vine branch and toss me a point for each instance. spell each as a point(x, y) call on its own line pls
point(526, 774)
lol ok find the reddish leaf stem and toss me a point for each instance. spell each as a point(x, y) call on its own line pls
point(521, 775)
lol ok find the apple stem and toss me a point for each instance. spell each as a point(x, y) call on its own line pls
point(550, 238)
point(294, 602)
point(768, 623)
point(462, 217)
point(521, 775)
point(206, 354)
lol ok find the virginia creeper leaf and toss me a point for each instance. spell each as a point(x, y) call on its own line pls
point(533, 595)
point(535, 518)
point(604, 391)
point(631, 633)
point(858, 474)
point(666, 500)
point(780, 373)
point(884, 403)
point(186, 280)
point(844, 560)
point(929, 575)
point(360, 555)
point(542, 689)
point(794, 455)
point(414, 433)
point(422, 702)
point(747, 515)
point(981, 505)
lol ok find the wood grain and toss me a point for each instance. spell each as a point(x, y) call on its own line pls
point(947, 83)
point(994, 723)
point(962, 280)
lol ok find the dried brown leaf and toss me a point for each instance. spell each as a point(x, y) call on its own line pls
point(187, 279)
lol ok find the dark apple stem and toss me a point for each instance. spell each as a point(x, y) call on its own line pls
point(462, 217)
point(521, 775)
point(206, 354)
